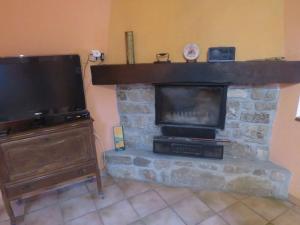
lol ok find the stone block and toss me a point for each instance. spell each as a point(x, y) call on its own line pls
point(277, 176)
point(239, 150)
point(265, 106)
point(196, 178)
point(237, 93)
point(148, 175)
point(235, 169)
point(137, 121)
point(247, 105)
point(184, 163)
point(162, 164)
point(121, 95)
point(223, 133)
point(262, 153)
point(233, 110)
point(164, 177)
point(259, 172)
point(142, 95)
point(142, 162)
point(255, 117)
point(124, 87)
point(126, 108)
point(122, 160)
point(264, 94)
point(122, 171)
point(232, 124)
point(207, 166)
point(256, 133)
point(251, 185)
point(236, 133)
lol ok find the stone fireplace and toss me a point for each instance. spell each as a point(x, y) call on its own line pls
point(248, 124)
point(245, 132)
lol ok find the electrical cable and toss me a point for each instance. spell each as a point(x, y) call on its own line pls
point(97, 137)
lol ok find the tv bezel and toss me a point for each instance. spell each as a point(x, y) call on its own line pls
point(25, 123)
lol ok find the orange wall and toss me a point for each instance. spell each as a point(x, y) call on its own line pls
point(42, 27)
point(285, 148)
point(255, 27)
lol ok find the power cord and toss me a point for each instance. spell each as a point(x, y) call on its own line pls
point(97, 137)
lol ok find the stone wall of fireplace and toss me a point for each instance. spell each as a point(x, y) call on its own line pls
point(249, 119)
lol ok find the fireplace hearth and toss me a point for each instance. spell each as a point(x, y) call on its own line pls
point(194, 111)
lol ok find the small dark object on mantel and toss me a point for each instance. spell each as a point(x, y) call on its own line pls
point(163, 58)
point(221, 54)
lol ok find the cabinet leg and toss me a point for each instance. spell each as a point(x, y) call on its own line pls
point(99, 183)
point(9, 209)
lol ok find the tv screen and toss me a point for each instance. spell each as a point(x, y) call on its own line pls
point(45, 85)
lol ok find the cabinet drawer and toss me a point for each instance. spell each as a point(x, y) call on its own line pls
point(16, 190)
point(38, 155)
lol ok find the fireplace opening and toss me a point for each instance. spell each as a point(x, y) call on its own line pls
point(189, 115)
point(191, 105)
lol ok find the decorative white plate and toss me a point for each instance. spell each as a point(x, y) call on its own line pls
point(191, 52)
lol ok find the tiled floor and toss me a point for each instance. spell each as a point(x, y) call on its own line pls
point(137, 203)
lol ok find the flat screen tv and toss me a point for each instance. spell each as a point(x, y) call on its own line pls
point(43, 85)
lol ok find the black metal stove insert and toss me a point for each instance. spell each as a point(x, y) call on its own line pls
point(193, 111)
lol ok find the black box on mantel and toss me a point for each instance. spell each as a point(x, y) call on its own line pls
point(188, 147)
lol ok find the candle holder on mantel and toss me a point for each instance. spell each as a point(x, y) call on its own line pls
point(129, 41)
point(163, 58)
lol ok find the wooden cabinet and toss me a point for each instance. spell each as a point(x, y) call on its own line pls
point(38, 159)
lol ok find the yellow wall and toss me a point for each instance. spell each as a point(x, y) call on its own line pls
point(255, 27)
point(285, 148)
point(45, 27)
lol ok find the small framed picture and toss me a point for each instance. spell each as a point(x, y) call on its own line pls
point(119, 138)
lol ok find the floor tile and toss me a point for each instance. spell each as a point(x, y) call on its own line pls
point(131, 188)
point(238, 196)
point(214, 220)
point(192, 210)
point(77, 207)
point(112, 194)
point(288, 218)
point(216, 200)
point(120, 213)
point(18, 207)
point(46, 216)
point(172, 195)
point(239, 214)
point(72, 191)
point(296, 208)
point(41, 201)
point(106, 181)
point(89, 219)
point(140, 222)
point(147, 203)
point(266, 207)
point(163, 217)
point(20, 221)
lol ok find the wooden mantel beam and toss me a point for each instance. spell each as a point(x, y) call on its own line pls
point(237, 73)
